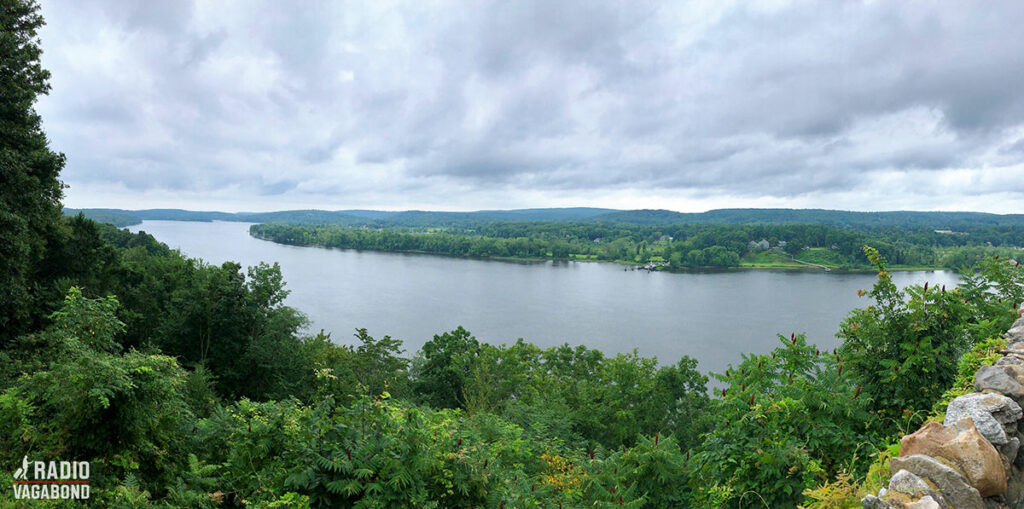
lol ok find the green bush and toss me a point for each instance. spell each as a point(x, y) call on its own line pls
point(785, 423)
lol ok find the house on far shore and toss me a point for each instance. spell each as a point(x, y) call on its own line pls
point(763, 245)
point(949, 232)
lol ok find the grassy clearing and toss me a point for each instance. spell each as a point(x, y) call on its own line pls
point(770, 259)
point(822, 256)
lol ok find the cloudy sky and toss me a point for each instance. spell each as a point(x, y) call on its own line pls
point(472, 105)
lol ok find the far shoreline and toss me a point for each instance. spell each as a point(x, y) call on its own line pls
point(795, 267)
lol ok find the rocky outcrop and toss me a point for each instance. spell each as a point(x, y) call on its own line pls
point(992, 413)
point(962, 446)
point(974, 459)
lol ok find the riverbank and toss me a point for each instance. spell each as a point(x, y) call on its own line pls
point(772, 264)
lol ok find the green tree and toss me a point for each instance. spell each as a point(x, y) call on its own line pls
point(446, 363)
point(124, 413)
point(30, 191)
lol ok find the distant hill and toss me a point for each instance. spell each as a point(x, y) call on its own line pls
point(120, 218)
point(955, 221)
point(408, 218)
point(838, 218)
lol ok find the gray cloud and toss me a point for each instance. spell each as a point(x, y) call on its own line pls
point(461, 105)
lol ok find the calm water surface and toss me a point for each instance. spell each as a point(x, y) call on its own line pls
point(712, 316)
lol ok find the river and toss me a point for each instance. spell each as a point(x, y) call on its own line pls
point(711, 316)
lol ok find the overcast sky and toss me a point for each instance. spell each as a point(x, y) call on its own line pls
point(478, 105)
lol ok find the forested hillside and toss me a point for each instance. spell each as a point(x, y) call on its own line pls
point(186, 384)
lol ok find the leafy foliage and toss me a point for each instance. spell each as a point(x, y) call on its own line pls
point(784, 424)
point(903, 350)
point(30, 191)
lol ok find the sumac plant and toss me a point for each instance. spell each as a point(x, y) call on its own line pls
point(787, 421)
point(903, 348)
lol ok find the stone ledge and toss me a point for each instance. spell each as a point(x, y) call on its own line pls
point(974, 459)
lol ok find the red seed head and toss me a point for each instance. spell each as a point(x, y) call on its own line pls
point(485, 462)
point(620, 500)
point(623, 448)
point(656, 435)
point(349, 454)
point(743, 372)
point(751, 400)
point(723, 393)
point(532, 487)
point(857, 393)
point(460, 442)
point(591, 454)
point(817, 352)
point(943, 288)
point(773, 355)
point(726, 372)
point(501, 505)
point(613, 490)
point(840, 370)
point(743, 387)
point(997, 257)
point(687, 455)
point(926, 286)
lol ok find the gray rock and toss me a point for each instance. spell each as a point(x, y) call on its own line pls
point(1014, 370)
point(1010, 360)
point(913, 487)
point(1015, 489)
point(1008, 452)
point(873, 502)
point(1019, 323)
point(995, 378)
point(953, 486)
point(990, 413)
point(1015, 332)
point(926, 502)
point(908, 483)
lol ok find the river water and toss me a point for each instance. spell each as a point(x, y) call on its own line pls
point(711, 316)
